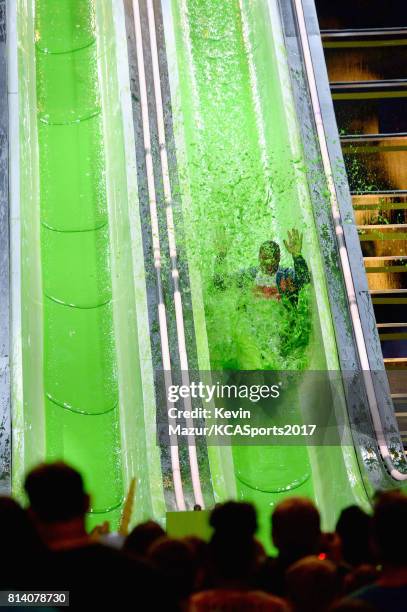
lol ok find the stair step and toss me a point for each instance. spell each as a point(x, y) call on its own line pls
point(386, 292)
point(391, 231)
point(365, 90)
point(390, 325)
point(381, 205)
point(388, 227)
point(395, 362)
point(393, 341)
point(398, 387)
point(380, 193)
point(393, 336)
point(389, 309)
point(380, 300)
point(387, 207)
point(371, 143)
point(387, 314)
point(383, 84)
point(397, 378)
point(387, 263)
point(366, 116)
point(365, 37)
point(356, 138)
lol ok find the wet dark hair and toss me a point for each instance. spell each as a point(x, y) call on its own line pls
point(269, 250)
point(56, 492)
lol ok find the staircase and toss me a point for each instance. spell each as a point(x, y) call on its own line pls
point(367, 69)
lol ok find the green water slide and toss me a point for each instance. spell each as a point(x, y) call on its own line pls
point(242, 169)
point(86, 392)
point(81, 391)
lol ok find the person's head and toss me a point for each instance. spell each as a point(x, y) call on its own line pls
point(142, 537)
point(312, 584)
point(56, 494)
point(21, 547)
point(389, 530)
point(198, 546)
point(19, 536)
point(296, 530)
point(269, 257)
point(233, 550)
point(199, 549)
point(175, 561)
point(234, 519)
point(353, 528)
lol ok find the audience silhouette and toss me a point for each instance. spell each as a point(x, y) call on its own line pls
point(360, 567)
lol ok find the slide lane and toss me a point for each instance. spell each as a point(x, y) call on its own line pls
point(242, 172)
point(80, 381)
point(86, 384)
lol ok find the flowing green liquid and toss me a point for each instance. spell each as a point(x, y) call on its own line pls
point(82, 413)
point(231, 213)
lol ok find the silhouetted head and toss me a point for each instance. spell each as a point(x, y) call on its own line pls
point(233, 549)
point(175, 561)
point(296, 530)
point(142, 537)
point(56, 493)
point(234, 519)
point(199, 549)
point(21, 547)
point(353, 528)
point(198, 546)
point(312, 584)
point(269, 257)
point(389, 528)
point(19, 536)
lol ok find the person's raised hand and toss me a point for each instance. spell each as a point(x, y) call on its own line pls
point(100, 530)
point(293, 244)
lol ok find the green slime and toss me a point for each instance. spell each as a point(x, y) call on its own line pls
point(82, 412)
point(231, 212)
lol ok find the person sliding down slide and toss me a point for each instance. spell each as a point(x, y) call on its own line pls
point(270, 280)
